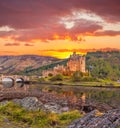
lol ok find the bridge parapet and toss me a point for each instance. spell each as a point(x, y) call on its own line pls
point(25, 78)
point(13, 82)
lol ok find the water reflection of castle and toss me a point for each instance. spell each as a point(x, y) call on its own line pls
point(75, 62)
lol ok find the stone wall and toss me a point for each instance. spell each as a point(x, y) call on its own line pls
point(26, 78)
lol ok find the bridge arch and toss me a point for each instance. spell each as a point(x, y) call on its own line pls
point(8, 82)
point(19, 82)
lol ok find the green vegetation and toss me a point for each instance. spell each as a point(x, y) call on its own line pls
point(104, 65)
point(66, 117)
point(38, 71)
point(82, 77)
point(20, 117)
point(77, 76)
point(77, 80)
point(58, 77)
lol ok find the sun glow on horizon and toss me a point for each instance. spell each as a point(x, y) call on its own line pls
point(60, 55)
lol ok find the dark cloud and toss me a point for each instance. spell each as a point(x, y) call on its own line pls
point(34, 13)
point(83, 26)
point(27, 44)
point(107, 9)
point(12, 44)
point(80, 50)
point(108, 33)
point(57, 31)
point(40, 19)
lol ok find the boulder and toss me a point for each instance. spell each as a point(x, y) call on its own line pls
point(33, 103)
point(52, 107)
point(95, 119)
point(30, 103)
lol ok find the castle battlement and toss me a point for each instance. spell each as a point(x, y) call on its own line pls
point(75, 56)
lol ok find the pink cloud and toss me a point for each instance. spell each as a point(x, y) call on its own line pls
point(107, 33)
point(40, 19)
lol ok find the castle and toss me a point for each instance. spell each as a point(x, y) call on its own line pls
point(75, 63)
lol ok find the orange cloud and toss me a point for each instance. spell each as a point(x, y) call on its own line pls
point(12, 44)
point(65, 53)
point(28, 44)
point(80, 50)
point(53, 24)
point(56, 37)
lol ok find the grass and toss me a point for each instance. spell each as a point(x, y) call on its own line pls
point(67, 81)
point(20, 117)
point(88, 84)
point(66, 117)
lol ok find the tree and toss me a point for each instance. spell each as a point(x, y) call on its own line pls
point(105, 65)
point(77, 76)
point(58, 77)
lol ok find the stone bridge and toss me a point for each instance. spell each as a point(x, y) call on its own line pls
point(13, 82)
point(14, 77)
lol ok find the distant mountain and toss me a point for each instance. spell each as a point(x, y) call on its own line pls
point(15, 64)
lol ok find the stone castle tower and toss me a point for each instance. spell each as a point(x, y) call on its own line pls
point(76, 62)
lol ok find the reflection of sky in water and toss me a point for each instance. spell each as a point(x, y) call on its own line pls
point(7, 80)
point(19, 80)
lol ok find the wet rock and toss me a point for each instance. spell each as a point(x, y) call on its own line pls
point(95, 119)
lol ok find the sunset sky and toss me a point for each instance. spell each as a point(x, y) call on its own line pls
point(58, 27)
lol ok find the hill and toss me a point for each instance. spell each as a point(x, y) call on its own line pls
point(104, 64)
point(15, 64)
point(38, 71)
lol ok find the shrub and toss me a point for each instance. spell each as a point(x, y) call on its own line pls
point(35, 119)
point(58, 77)
point(77, 76)
point(50, 74)
point(67, 117)
point(89, 79)
point(41, 79)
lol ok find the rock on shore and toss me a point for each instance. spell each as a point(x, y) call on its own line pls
point(32, 103)
point(95, 119)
